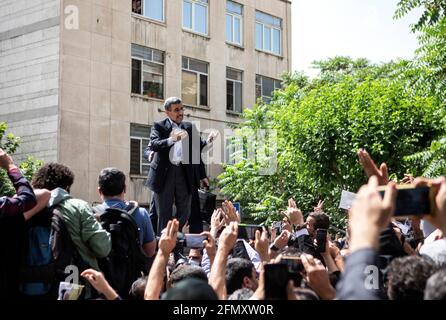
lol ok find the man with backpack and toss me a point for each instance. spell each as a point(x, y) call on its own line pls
point(91, 241)
point(133, 239)
point(112, 189)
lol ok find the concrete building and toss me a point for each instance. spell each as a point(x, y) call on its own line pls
point(81, 81)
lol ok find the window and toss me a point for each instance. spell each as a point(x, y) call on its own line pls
point(194, 89)
point(139, 140)
point(265, 87)
point(153, 9)
point(268, 33)
point(147, 71)
point(234, 90)
point(195, 15)
point(234, 14)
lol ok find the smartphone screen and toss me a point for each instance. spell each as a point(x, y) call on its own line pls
point(411, 201)
point(321, 239)
point(194, 241)
point(237, 206)
point(248, 231)
point(276, 281)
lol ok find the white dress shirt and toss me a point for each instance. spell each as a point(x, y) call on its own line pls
point(178, 145)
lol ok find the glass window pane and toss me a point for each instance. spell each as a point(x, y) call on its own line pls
point(152, 85)
point(135, 156)
point(154, 9)
point(233, 74)
point(187, 15)
point(229, 28)
point(136, 6)
point(230, 95)
point(203, 90)
point(158, 56)
point(152, 68)
point(237, 31)
point(141, 52)
point(136, 76)
point(189, 88)
point(258, 91)
point(185, 63)
point(234, 7)
point(276, 41)
point(277, 84)
point(238, 97)
point(268, 87)
point(267, 39)
point(144, 144)
point(200, 18)
point(258, 79)
point(198, 66)
point(265, 18)
point(259, 36)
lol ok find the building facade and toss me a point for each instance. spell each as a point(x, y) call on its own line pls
point(82, 81)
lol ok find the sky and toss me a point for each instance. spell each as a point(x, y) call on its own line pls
point(355, 28)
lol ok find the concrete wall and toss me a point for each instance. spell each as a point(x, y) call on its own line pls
point(95, 92)
point(29, 73)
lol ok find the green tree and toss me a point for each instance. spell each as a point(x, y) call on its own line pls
point(434, 11)
point(10, 143)
point(320, 125)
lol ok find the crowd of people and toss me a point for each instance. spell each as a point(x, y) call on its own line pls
point(380, 257)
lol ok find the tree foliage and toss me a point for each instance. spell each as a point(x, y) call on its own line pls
point(434, 11)
point(320, 124)
point(10, 143)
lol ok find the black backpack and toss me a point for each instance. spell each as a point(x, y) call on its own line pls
point(49, 249)
point(126, 261)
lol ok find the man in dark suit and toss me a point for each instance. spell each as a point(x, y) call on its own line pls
point(177, 146)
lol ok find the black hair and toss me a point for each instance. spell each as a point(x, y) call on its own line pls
point(53, 175)
point(322, 221)
point(111, 182)
point(187, 271)
point(407, 277)
point(237, 269)
point(170, 101)
point(190, 289)
point(137, 289)
point(436, 286)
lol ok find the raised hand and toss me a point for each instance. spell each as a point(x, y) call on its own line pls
point(168, 238)
point(371, 169)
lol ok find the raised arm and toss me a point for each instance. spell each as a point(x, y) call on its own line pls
point(167, 243)
point(25, 198)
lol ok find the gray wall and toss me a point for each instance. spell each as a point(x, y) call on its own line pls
point(29, 74)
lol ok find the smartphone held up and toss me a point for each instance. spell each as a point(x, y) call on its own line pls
point(411, 200)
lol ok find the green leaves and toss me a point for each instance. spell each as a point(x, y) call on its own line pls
point(321, 124)
point(10, 143)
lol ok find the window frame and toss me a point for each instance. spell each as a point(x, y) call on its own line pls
point(193, 4)
point(142, 60)
point(150, 18)
point(261, 87)
point(233, 17)
point(272, 28)
point(141, 149)
point(198, 73)
point(233, 90)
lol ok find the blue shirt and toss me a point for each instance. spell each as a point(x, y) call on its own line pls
point(141, 217)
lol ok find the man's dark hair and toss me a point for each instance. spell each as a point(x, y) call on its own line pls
point(137, 289)
point(322, 221)
point(187, 271)
point(53, 175)
point(190, 289)
point(111, 182)
point(170, 101)
point(436, 286)
point(237, 269)
point(407, 277)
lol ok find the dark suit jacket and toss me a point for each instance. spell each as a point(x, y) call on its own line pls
point(159, 166)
